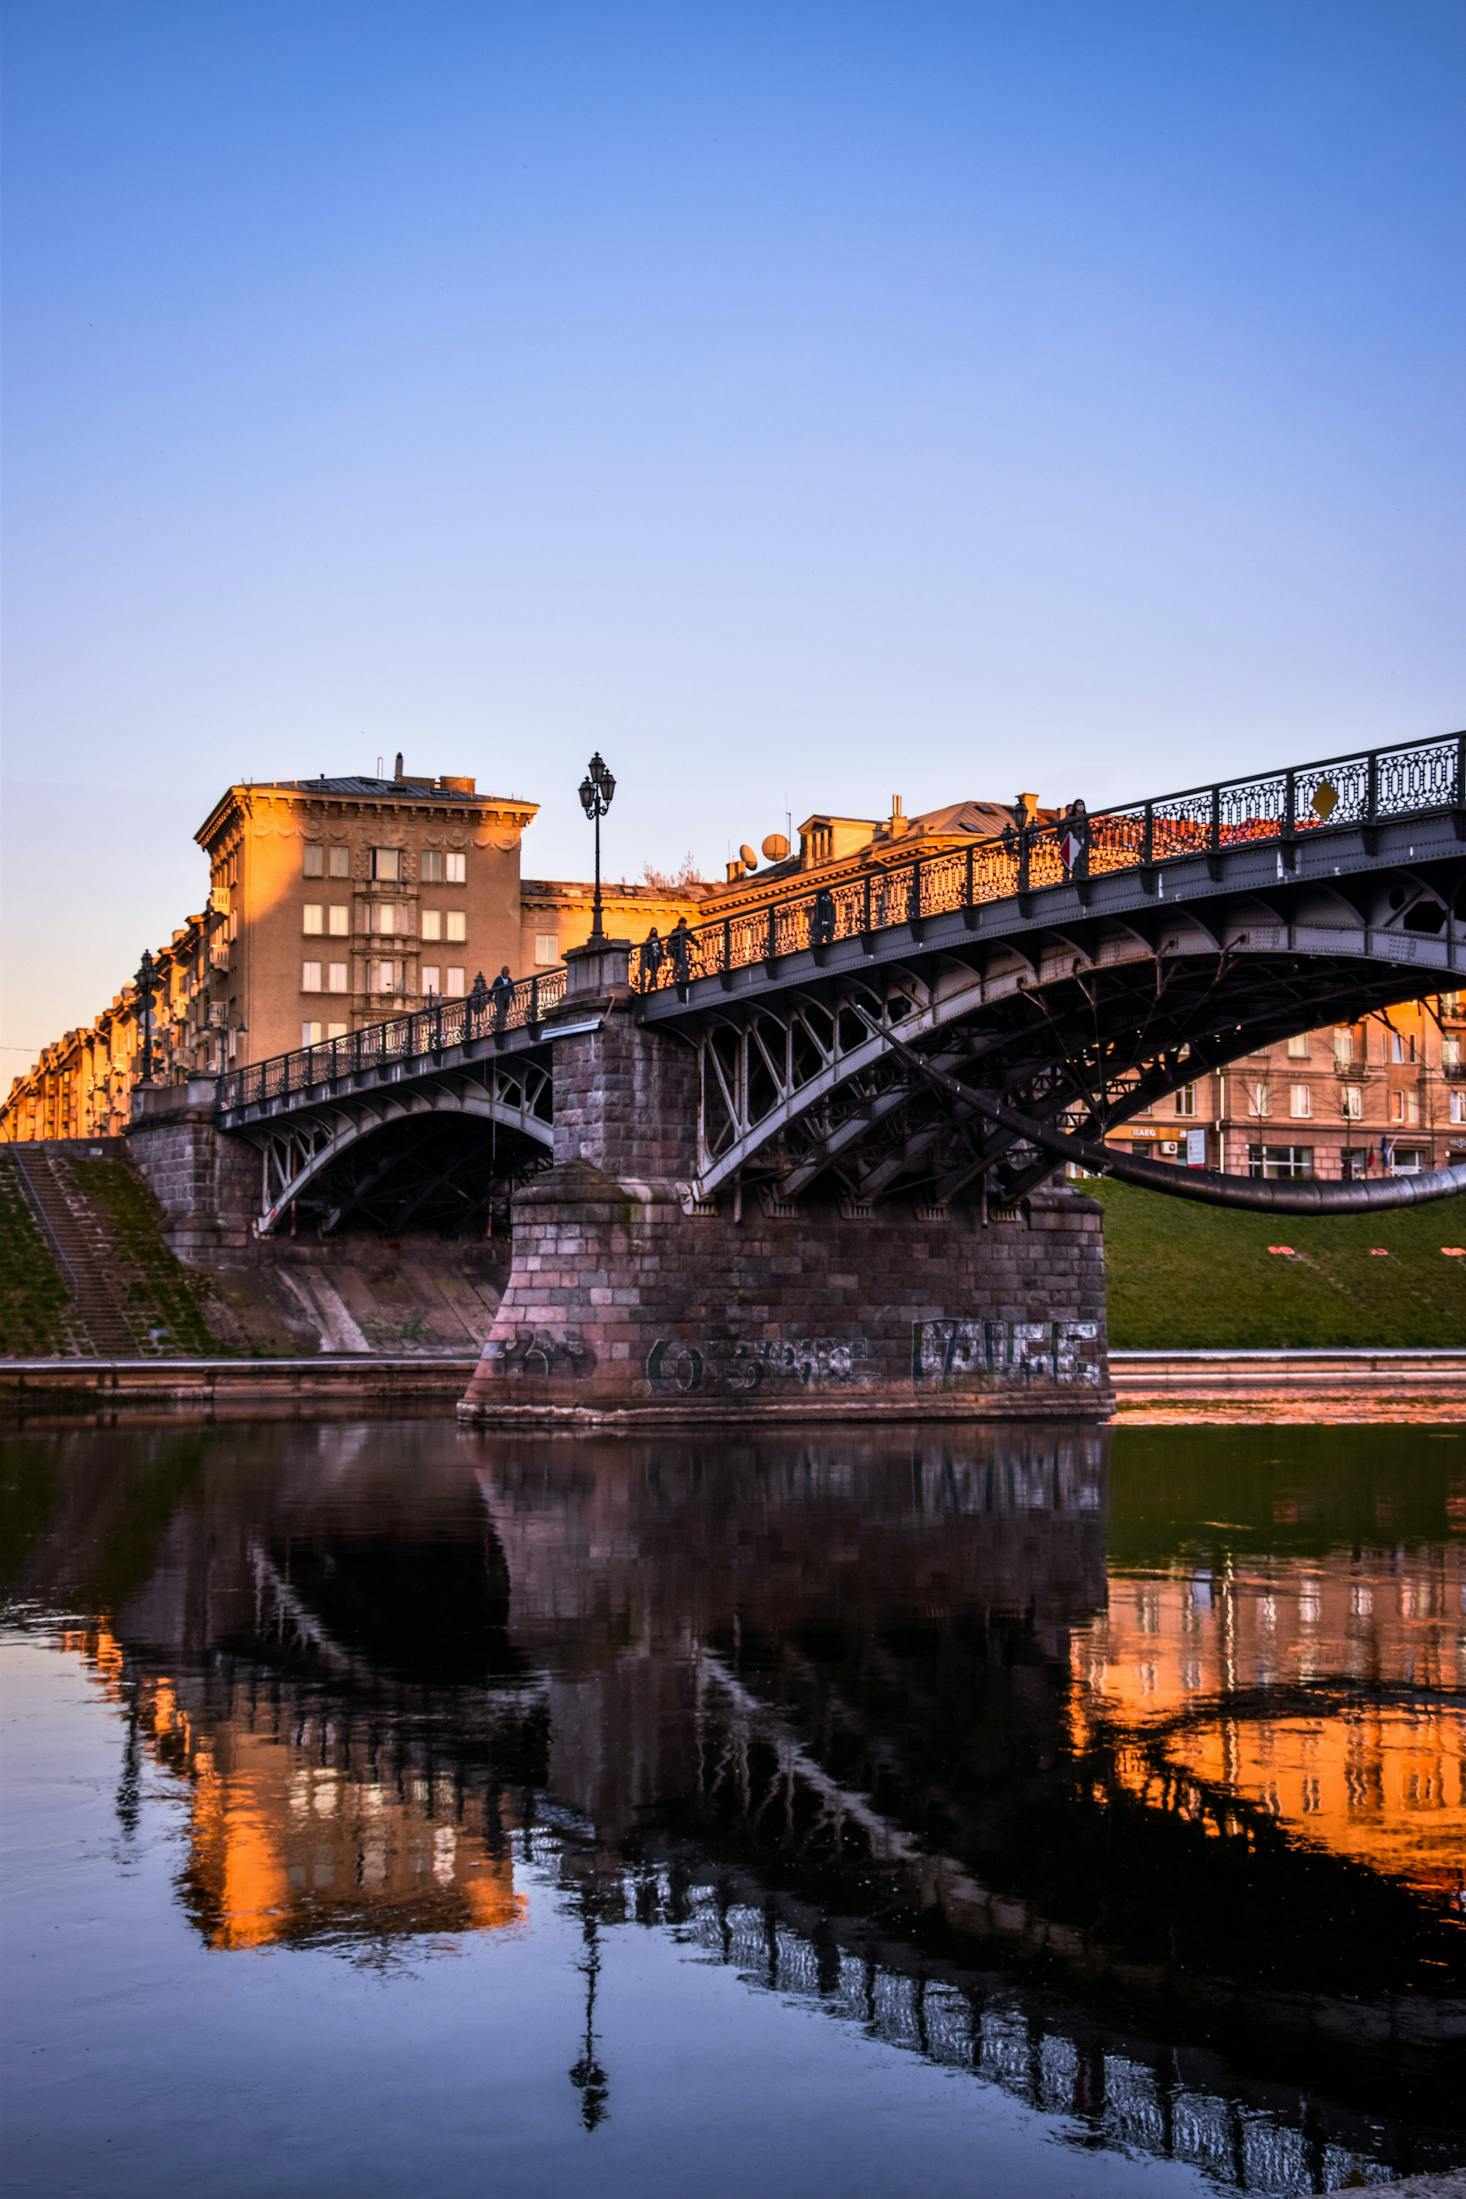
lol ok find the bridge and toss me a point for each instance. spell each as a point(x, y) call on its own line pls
point(896, 1045)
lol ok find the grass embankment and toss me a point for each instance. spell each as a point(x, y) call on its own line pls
point(162, 1300)
point(33, 1297)
point(1184, 1277)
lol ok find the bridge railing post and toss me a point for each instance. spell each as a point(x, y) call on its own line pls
point(1461, 771)
point(1371, 797)
point(1147, 836)
point(1025, 849)
point(771, 947)
point(1216, 819)
point(1290, 806)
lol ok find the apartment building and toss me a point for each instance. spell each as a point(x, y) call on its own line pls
point(1386, 1095)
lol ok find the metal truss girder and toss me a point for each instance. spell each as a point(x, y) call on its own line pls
point(514, 1093)
point(1403, 966)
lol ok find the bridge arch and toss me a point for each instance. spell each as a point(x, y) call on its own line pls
point(298, 1150)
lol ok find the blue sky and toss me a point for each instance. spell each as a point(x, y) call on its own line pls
point(797, 401)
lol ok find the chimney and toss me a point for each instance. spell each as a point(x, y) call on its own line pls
point(457, 786)
point(397, 773)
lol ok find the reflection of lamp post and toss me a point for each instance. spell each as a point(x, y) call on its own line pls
point(596, 790)
point(587, 2075)
point(147, 985)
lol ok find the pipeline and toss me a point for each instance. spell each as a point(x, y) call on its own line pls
point(1209, 1186)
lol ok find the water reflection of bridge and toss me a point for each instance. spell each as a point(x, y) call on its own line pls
point(809, 1705)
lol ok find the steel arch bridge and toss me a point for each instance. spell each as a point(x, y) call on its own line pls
point(1076, 971)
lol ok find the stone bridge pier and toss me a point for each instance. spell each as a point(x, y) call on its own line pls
point(629, 1303)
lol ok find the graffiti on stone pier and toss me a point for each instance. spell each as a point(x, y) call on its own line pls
point(534, 1356)
point(738, 1365)
point(959, 1355)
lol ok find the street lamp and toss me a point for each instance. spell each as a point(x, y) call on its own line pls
point(147, 986)
point(596, 790)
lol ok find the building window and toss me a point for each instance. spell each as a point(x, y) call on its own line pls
point(1280, 1160)
point(315, 918)
point(313, 859)
point(340, 978)
point(1402, 1045)
point(1458, 1107)
point(444, 867)
point(546, 949)
point(387, 864)
point(1406, 1160)
point(338, 919)
point(1450, 1051)
point(431, 975)
point(1344, 1045)
point(1298, 1046)
point(455, 986)
point(310, 1034)
point(456, 921)
point(389, 919)
point(1186, 1100)
point(1354, 1162)
point(388, 976)
point(1450, 1004)
point(1351, 1102)
point(339, 865)
point(310, 977)
point(432, 923)
point(1300, 1100)
point(1259, 1099)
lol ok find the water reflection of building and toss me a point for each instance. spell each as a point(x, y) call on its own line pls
point(826, 1707)
point(1327, 1695)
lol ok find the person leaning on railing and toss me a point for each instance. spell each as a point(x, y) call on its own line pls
point(822, 919)
point(503, 992)
point(651, 954)
point(679, 947)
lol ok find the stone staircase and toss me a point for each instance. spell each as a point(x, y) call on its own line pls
point(97, 1321)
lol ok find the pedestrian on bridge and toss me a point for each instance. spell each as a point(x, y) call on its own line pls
point(822, 919)
point(653, 953)
point(679, 946)
point(503, 991)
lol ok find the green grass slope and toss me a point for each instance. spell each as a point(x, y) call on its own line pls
point(33, 1297)
point(1188, 1277)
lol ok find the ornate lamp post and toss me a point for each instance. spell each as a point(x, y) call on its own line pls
point(596, 790)
point(147, 986)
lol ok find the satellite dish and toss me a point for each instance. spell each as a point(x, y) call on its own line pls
point(776, 847)
point(747, 857)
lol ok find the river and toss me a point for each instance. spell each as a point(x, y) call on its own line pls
point(1042, 1812)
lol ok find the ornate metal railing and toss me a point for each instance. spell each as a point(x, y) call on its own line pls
point(1364, 788)
point(413, 1037)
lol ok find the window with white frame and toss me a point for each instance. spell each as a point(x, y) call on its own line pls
point(339, 978)
point(431, 869)
point(1300, 1099)
point(455, 924)
point(1450, 1051)
point(432, 923)
point(311, 1034)
point(454, 985)
point(1298, 1046)
point(335, 1030)
point(456, 867)
point(387, 976)
point(387, 865)
point(1351, 1102)
point(310, 977)
point(1186, 1100)
point(338, 919)
point(444, 867)
point(546, 949)
point(313, 859)
point(1259, 1099)
point(339, 863)
point(313, 919)
point(1343, 1044)
point(389, 919)
point(1458, 1107)
point(431, 978)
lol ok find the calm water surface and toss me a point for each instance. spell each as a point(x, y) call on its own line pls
point(393, 1809)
